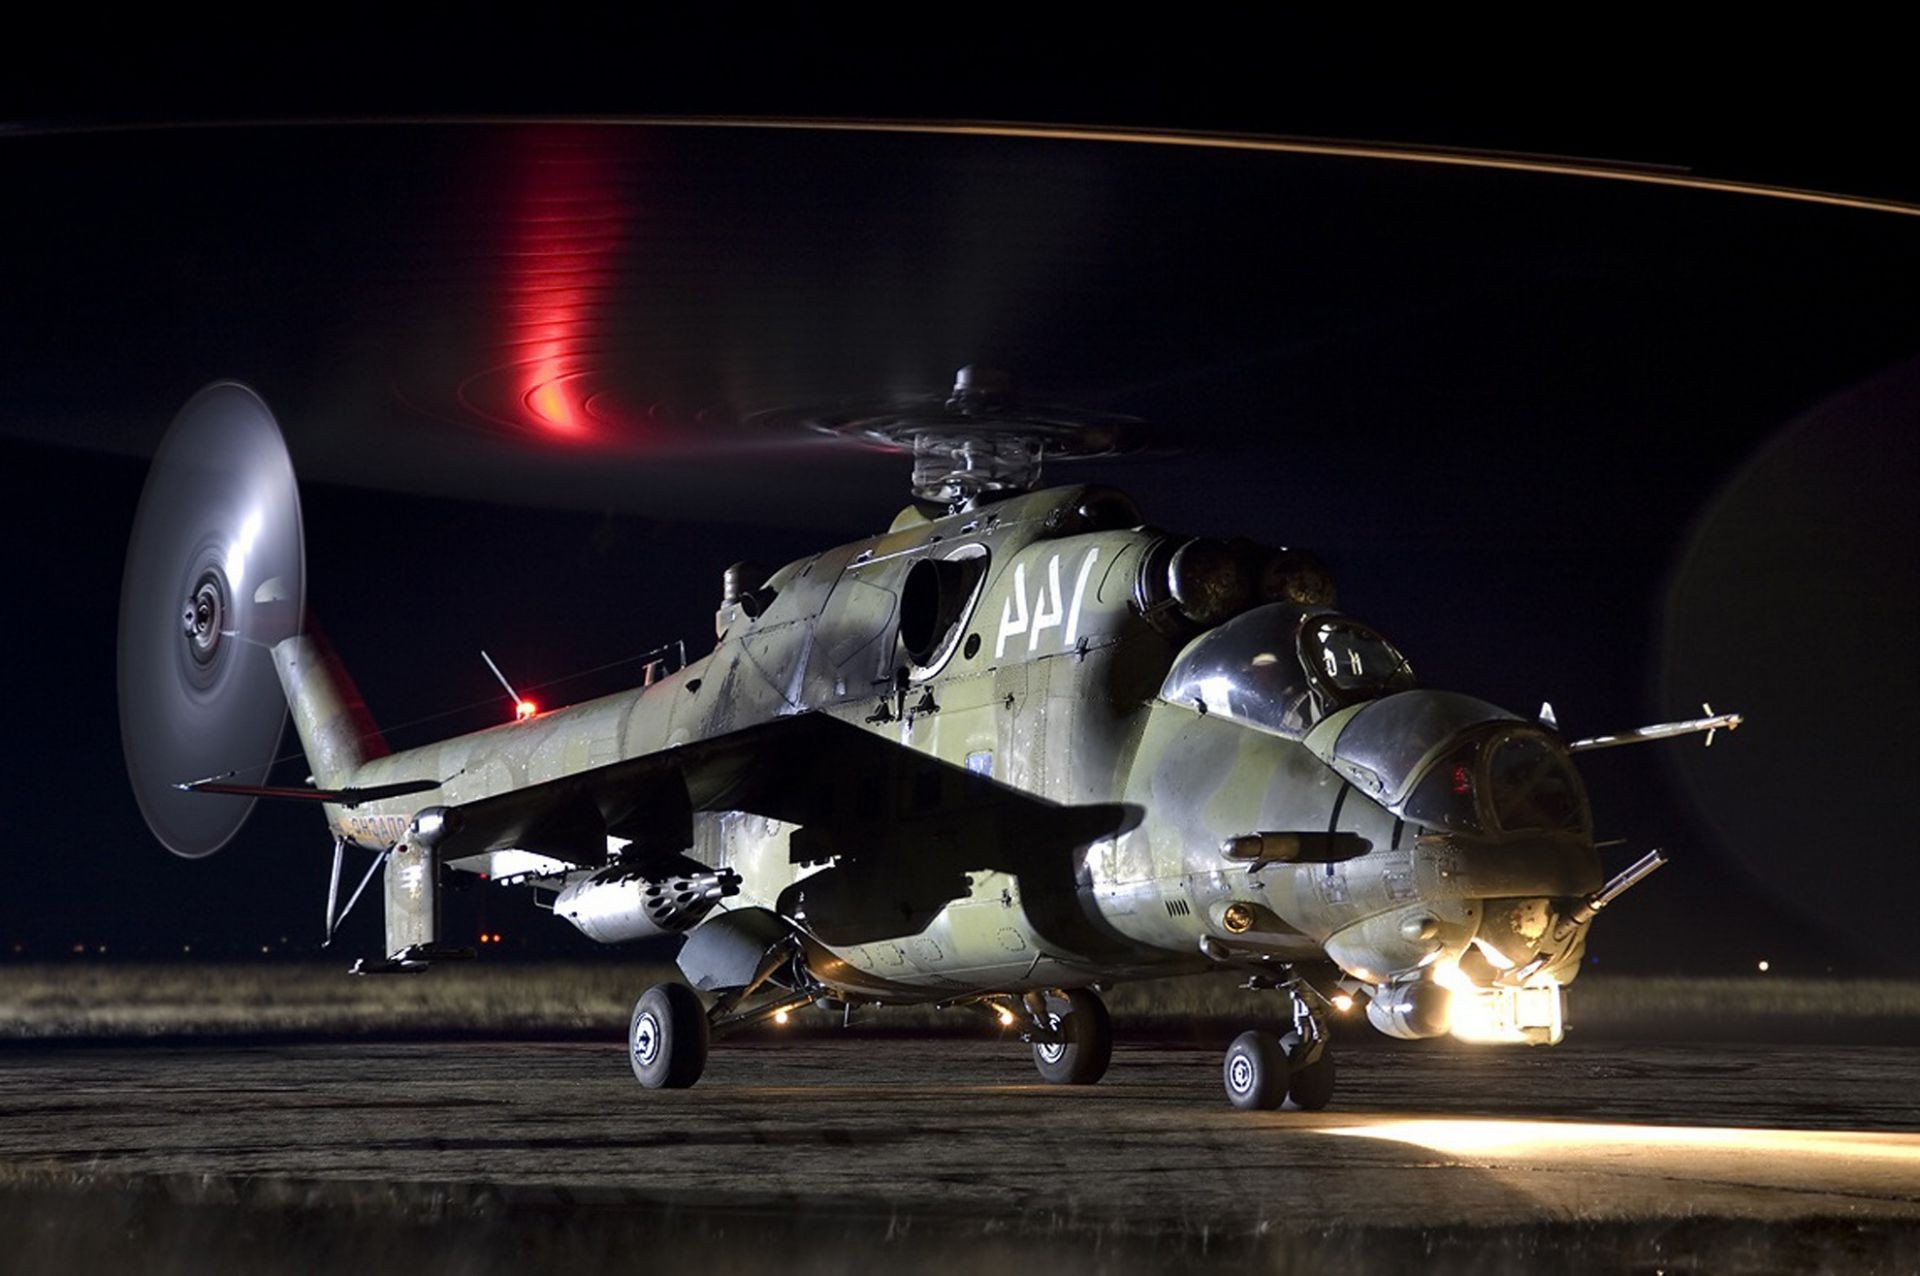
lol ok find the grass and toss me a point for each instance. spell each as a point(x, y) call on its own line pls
point(132, 1001)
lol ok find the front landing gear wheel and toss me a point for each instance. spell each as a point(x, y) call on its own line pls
point(1086, 1048)
point(1310, 1085)
point(667, 1039)
point(1256, 1072)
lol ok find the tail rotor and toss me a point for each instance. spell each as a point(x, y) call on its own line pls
point(216, 575)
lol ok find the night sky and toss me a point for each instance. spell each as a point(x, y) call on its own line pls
point(1616, 447)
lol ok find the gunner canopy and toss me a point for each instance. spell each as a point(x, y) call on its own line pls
point(1282, 668)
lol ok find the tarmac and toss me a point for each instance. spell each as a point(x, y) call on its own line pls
point(824, 1154)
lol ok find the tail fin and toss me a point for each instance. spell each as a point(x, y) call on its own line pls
point(335, 729)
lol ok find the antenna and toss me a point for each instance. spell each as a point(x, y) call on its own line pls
point(522, 707)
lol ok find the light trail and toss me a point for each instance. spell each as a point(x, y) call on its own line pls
point(1668, 176)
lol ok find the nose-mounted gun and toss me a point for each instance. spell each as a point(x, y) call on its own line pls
point(1619, 884)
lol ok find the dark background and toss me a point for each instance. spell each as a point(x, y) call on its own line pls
point(1619, 447)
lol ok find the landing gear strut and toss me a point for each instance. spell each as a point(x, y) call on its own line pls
point(1263, 1071)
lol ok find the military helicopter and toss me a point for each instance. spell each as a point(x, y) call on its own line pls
point(1020, 746)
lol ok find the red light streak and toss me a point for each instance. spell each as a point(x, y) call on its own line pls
point(571, 234)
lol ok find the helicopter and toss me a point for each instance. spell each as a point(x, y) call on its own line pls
point(1021, 746)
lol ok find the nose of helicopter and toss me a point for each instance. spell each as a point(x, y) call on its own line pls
point(1500, 852)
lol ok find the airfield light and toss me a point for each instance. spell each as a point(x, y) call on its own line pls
point(780, 1017)
point(524, 709)
point(1342, 1002)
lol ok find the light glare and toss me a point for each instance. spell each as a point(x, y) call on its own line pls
point(1466, 1137)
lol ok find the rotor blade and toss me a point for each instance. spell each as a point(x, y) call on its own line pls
point(339, 797)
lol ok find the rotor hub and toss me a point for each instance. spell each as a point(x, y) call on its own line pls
point(203, 619)
point(979, 440)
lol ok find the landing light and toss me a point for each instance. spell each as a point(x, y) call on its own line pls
point(1342, 1002)
point(1765, 966)
point(1532, 1014)
point(1006, 1017)
point(780, 1016)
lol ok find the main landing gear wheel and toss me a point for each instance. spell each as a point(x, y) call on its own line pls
point(1086, 1048)
point(1256, 1072)
point(1310, 1085)
point(667, 1038)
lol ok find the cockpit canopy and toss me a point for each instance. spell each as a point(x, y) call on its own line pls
point(1283, 667)
point(1442, 760)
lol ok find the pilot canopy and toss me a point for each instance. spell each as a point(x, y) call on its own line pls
point(1283, 667)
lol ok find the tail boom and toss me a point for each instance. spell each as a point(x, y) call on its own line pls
point(336, 731)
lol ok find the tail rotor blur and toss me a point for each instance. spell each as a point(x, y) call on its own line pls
point(215, 576)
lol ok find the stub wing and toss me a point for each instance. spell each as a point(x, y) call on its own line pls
point(851, 792)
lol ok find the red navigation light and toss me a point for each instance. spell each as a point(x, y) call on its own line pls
point(524, 709)
point(1462, 780)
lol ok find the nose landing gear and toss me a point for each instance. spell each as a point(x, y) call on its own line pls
point(1263, 1071)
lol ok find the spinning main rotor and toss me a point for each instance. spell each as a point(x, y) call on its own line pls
point(978, 441)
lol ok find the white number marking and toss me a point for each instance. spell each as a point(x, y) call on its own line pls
point(1079, 595)
point(1050, 609)
point(1047, 611)
point(1010, 624)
